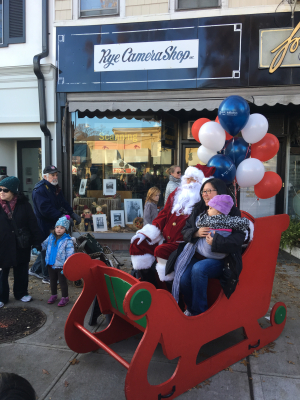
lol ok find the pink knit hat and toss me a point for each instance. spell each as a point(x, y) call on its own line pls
point(222, 202)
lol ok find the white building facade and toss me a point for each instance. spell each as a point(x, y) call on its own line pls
point(22, 143)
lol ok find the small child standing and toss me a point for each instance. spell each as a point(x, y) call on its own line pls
point(59, 246)
point(150, 210)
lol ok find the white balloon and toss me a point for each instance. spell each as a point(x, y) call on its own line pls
point(212, 136)
point(250, 172)
point(255, 129)
point(204, 154)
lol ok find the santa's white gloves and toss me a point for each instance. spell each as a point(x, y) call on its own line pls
point(139, 236)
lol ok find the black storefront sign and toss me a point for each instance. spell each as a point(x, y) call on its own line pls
point(194, 53)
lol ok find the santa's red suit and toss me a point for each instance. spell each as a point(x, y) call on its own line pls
point(158, 240)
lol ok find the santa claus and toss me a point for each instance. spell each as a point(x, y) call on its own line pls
point(156, 241)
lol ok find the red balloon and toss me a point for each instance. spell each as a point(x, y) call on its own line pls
point(196, 127)
point(228, 137)
point(266, 148)
point(269, 186)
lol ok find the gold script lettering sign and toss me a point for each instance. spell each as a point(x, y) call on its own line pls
point(285, 54)
point(291, 43)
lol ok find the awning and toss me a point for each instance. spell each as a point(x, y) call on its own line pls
point(178, 100)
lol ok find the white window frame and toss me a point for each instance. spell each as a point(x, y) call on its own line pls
point(98, 15)
point(220, 4)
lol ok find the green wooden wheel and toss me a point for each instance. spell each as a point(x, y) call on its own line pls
point(280, 315)
point(140, 302)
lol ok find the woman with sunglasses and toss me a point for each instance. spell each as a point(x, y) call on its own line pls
point(193, 283)
point(15, 213)
point(174, 180)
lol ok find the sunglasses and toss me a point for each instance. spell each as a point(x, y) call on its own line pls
point(4, 190)
point(178, 173)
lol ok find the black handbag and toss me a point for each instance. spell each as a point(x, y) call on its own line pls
point(23, 235)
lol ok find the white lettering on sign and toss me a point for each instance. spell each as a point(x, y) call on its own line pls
point(146, 55)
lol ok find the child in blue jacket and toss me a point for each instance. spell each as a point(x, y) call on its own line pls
point(59, 246)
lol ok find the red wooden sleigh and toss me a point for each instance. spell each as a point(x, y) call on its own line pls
point(139, 306)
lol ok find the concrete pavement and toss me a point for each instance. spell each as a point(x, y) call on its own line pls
point(45, 360)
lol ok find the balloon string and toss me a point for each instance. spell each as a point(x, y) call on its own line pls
point(235, 190)
point(226, 145)
point(295, 191)
point(257, 199)
point(249, 146)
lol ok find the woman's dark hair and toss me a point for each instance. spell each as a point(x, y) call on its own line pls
point(220, 187)
point(15, 387)
point(218, 184)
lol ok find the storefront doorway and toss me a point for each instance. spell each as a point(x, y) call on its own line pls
point(29, 165)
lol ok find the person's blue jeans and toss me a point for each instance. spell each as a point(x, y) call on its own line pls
point(39, 267)
point(194, 280)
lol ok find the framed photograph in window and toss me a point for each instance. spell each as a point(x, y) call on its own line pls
point(100, 223)
point(117, 218)
point(133, 208)
point(109, 187)
point(82, 187)
point(189, 130)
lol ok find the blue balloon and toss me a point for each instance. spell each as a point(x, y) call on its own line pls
point(233, 114)
point(225, 168)
point(238, 150)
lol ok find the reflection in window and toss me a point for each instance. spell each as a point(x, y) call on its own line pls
point(1, 22)
point(194, 4)
point(129, 151)
point(91, 8)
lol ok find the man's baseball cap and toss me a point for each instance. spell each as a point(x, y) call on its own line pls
point(51, 169)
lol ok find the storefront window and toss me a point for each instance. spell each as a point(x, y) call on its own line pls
point(294, 170)
point(92, 8)
point(116, 160)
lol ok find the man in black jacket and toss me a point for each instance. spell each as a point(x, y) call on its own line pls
point(49, 205)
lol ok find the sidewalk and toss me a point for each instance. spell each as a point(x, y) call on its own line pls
point(45, 360)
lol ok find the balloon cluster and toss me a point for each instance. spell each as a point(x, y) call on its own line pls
point(239, 158)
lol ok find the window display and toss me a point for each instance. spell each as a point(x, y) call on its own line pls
point(116, 160)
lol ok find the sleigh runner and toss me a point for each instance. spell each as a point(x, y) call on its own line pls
point(139, 306)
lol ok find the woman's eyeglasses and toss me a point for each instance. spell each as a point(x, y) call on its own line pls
point(4, 190)
point(208, 191)
point(178, 172)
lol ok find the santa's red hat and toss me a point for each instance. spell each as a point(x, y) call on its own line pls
point(199, 172)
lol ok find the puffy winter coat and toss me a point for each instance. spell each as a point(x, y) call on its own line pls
point(10, 253)
point(65, 249)
point(173, 184)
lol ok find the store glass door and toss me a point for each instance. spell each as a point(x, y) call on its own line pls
point(189, 156)
point(29, 165)
point(264, 207)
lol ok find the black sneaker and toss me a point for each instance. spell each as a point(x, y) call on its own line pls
point(46, 280)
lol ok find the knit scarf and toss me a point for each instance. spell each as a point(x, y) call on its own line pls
point(182, 262)
point(54, 249)
point(12, 204)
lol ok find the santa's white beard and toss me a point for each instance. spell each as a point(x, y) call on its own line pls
point(185, 198)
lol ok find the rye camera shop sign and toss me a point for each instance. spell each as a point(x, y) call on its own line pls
point(146, 55)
